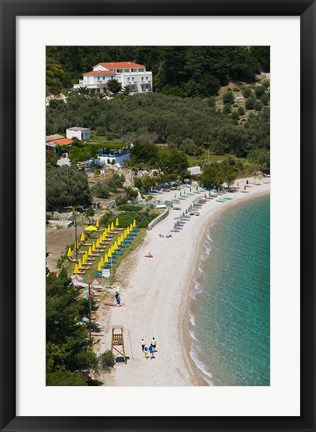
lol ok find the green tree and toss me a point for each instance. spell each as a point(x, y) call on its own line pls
point(114, 86)
point(66, 186)
point(54, 76)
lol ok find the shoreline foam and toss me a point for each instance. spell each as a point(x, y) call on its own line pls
point(157, 295)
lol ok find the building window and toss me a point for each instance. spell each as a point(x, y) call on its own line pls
point(146, 78)
point(128, 78)
point(142, 78)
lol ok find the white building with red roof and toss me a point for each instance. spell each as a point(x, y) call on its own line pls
point(126, 73)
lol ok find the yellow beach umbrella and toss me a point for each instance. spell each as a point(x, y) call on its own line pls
point(102, 261)
point(109, 228)
point(109, 254)
point(97, 224)
point(89, 251)
point(97, 243)
point(117, 222)
point(124, 235)
point(82, 237)
point(106, 259)
point(76, 270)
point(119, 241)
point(99, 266)
point(79, 264)
point(90, 228)
point(134, 223)
point(112, 226)
point(84, 259)
point(69, 253)
point(115, 245)
point(131, 227)
point(93, 247)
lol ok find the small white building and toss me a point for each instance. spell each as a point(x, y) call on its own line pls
point(194, 170)
point(126, 73)
point(78, 132)
point(114, 158)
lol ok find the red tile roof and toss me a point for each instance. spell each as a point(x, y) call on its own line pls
point(121, 65)
point(53, 137)
point(103, 72)
point(63, 141)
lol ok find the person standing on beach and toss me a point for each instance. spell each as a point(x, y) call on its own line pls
point(154, 343)
point(143, 344)
point(146, 352)
point(152, 351)
point(118, 299)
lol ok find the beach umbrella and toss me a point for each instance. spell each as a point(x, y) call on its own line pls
point(95, 282)
point(134, 223)
point(76, 270)
point(97, 243)
point(109, 228)
point(93, 247)
point(69, 253)
point(82, 237)
point(77, 278)
point(131, 227)
point(79, 264)
point(106, 259)
point(97, 224)
point(109, 254)
point(115, 244)
point(112, 226)
point(99, 266)
point(117, 222)
point(102, 261)
point(90, 228)
point(89, 251)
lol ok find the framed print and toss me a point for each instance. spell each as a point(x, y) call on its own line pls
point(151, 129)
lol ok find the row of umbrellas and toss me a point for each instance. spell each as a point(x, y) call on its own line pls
point(94, 249)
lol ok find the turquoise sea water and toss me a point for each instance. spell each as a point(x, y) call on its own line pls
point(230, 306)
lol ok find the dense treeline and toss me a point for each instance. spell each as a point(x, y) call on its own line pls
point(178, 70)
point(187, 124)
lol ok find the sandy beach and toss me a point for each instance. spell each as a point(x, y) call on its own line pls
point(155, 296)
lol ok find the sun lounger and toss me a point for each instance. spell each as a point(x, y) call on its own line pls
point(107, 303)
point(86, 244)
point(71, 259)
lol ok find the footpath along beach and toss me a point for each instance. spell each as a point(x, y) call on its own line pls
point(155, 295)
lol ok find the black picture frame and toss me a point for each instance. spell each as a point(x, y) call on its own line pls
point(9, 10)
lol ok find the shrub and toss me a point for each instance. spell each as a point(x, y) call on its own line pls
point(258, 105)
point(266, 83)
point(228, 97)
point(121, 199)
point(241, 110)
point(247, 92)
point(265, 99)
point(227, 109)
point(250, 103)
point(106, 360)
point(259, 91)
point(235, 115)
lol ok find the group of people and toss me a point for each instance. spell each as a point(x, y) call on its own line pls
point(151, 349)
point(167, 236)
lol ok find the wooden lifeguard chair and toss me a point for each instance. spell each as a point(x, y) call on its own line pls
point(117, 344)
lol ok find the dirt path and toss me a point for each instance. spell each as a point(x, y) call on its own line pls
point(56, 242)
